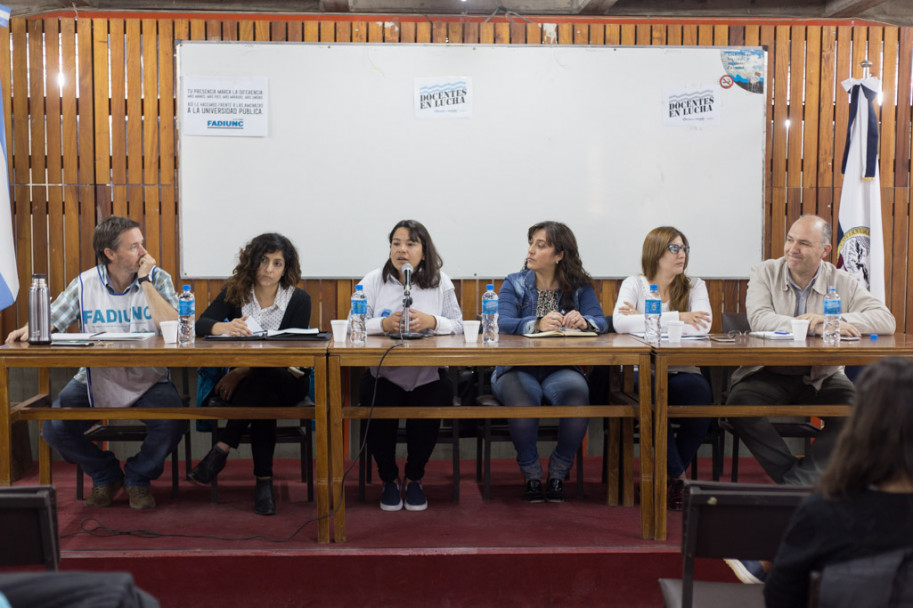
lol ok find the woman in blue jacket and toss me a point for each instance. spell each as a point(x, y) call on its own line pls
point(552, 292)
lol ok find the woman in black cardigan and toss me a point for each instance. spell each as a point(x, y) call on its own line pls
point(261, 293)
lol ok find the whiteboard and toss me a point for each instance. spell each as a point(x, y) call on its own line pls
point(569, 133)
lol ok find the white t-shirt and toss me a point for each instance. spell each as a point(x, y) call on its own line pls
point(386, 297)
point(635, 291)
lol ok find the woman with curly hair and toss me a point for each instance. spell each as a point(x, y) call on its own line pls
point(263, 286)
point(663, 261)
point(552, 292)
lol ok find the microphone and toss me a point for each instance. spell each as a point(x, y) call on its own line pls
point(407, 278)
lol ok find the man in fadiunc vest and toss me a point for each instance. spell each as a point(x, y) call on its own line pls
point(125, 292)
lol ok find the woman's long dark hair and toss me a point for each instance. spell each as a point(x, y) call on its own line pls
point(428, 273)
point(876, 444)
point(569, 272)
point(656, 245)
point(239, 284)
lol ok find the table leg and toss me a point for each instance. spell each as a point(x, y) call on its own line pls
point(322, 450)
point(6, 428)
point(661, 418)
point(44, 459)
point(337, 449)
point(646, 452)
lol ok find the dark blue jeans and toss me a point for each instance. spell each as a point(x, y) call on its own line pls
point(683, 444)
point(68, 437)
point(532, 386)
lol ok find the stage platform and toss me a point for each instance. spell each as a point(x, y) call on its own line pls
point(502, 552)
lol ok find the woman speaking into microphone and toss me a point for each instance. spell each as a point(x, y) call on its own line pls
point(434, 310)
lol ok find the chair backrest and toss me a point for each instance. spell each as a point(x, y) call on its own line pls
point(28, 526)
point(732, 520)
point(735, 321)
point(882, 580)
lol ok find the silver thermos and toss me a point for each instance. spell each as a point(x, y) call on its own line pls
point(39, 310)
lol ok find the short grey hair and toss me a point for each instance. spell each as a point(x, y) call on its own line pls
point(827, 232)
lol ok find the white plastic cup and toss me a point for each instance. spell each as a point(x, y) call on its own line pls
point(800, 329)
point(471, 331)
point(169, 331)
point(339, 329)
point(674, 330)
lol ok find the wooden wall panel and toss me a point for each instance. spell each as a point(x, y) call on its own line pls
point(105, 141)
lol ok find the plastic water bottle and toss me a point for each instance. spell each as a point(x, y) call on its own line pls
point(187, 315)
point(357, 316)
point(831, 332)
point(489, 315)
point(652, 314)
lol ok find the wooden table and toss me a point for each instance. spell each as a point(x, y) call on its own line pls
point(748, 350)
point(154, 352)
point(609, 349)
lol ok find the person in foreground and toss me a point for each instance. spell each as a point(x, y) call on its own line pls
point(663, 262)
point(435, 311)
point(263, 287)
point(864, 502)
point(125, 292)
point(780, 290)
point(552, 292)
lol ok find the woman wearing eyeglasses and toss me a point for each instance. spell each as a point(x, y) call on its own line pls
point(663, 261)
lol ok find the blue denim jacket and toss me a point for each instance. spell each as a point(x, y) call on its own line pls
point(517, 303)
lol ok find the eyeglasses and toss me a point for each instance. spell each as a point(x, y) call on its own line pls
point(676, 248)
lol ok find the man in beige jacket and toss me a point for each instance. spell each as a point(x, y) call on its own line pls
point(780, 290)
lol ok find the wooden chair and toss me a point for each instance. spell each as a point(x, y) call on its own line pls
point(725, 520)
point(105, 432)
point(738, 321)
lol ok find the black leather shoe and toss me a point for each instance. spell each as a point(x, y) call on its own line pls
point(534, 491)
point(264, 497)
point(210, 466)
point(554, 490)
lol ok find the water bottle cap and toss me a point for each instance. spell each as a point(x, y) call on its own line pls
point(873, 336)
point(490, 287)
point(186, 288)
point(830, 289)
point(652, 287)
point(359, 288)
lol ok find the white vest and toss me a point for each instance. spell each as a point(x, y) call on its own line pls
point(102, 310)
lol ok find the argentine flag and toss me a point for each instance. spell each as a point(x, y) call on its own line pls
point(9, 277)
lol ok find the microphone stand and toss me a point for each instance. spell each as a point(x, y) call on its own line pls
point(404, 333)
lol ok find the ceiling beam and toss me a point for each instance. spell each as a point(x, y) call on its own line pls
point(595, 7)
point(849, 8)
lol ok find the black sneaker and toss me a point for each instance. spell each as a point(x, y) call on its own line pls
point(415, 497)
point(676, 495)
point(391, 499)
point(554, 490)
point(534, 492)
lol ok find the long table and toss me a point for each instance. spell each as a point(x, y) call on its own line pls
point(610, 349)
point(154, 352)
point(749, 350)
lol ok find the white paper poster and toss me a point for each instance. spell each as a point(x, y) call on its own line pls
point(443, 97)
point(224, 106)
point(691, 106)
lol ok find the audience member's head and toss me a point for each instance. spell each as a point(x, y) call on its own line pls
point(876, 444)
